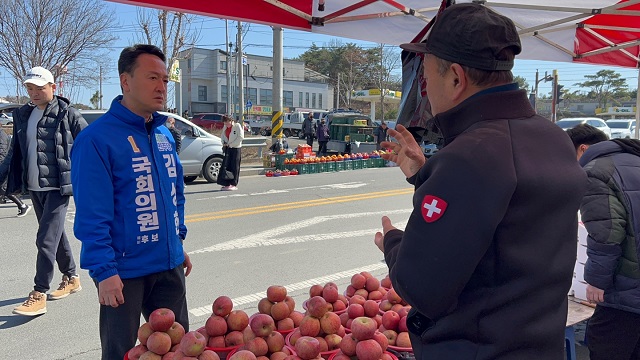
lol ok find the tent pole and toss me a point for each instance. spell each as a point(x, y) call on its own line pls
point(638, 105)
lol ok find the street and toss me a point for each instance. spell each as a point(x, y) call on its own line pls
point(293, 231)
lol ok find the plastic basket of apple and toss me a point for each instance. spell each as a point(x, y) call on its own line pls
point(261, 340)
point(310, 347)
point(365, 285)
point(365, 342)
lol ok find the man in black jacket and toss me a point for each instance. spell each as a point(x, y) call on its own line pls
point(486, 259)
point(38, 161)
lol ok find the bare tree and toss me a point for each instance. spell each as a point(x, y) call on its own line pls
point(171, 31)
point(389, 61)
point(63, 36)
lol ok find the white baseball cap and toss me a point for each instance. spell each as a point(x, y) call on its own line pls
point(39, 76)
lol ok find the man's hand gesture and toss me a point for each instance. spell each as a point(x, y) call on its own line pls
point(406, 153)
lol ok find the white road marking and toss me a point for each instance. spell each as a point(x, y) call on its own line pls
point(274, 236)
point(255, 297)
point(346, 185)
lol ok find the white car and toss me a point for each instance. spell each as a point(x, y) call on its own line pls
point(622, 128)
point(5, 119)
point(568, 123)
point(201, 153)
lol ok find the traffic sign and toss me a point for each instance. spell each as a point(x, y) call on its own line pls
point(249, 104)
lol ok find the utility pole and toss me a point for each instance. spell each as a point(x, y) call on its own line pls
point(240, 63)
point(276, 93)
point(100, 88)
point(338, 93)
point(226, 25)
point(554, 106)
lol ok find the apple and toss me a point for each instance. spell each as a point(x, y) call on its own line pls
point(275, 342)
point(341, 356)
point(391, 320)
point(330, 323)
point(348, 345)
point(144, 332)
point(341, 331)
point(292, 303)
point(307, 347)
point(279, 355)
point(331, 284)
point(362, 292)
point(216, 342)
point(136, 352)
point(338, 305)
point(161, 319)
point(330, 294)
point(386, 282)
point(378, 319)
point(243, 355)
point(295, 335)
point(285, 324)
point(237, 320)
point(247, 334)
point(193, 343)
point(363, 328)
point(315, 290)
point(323, 344)
point(358, 281)
point(402, 326)
point(150, 355)
point(203, 331)
point(176, 332)
point(276, 293)
point(333, 341)
point(233, 338)
point(386, 356)
point(375, 295)
point(355, 310)
point(381, 339)
point(159, 343)
point(385, 305)
point(403, 340)
point(209, 355)
point(216, 325)
point(404, 311)
point(309, 326)
point(222, 306)
point(357, 299)
point(262, 324)
point(393, 297)
point(264, 306)
point(366, 274)
point(350, 291)
point(297, 317)
point(344, 317)
point(391, 336)
point(257, 345)
point(396, 307)
point(280, 310)
point(316, 306)
point(169, 356)
point(368, 350)
point(371, 308)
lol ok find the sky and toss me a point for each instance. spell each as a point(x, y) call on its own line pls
point(259, 42)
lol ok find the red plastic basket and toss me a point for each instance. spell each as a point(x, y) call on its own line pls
point(393, 356)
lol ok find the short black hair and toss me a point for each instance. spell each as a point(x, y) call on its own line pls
point(586, 134)
point(129, 56)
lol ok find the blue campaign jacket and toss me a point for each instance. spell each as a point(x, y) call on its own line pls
point(128, 225)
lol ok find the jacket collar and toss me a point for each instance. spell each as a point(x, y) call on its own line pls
point(489, 105)
point(600, 149)
point(127, 116)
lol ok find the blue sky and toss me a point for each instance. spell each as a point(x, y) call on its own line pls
point(259, 41)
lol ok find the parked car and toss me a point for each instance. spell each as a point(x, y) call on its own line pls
point(622, 128)
point(201, 153)
point(6, 119)
point(212, 121)
point(568, 123)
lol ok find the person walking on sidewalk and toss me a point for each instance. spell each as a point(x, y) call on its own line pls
point(611, 217)
point(23, 208)
point(307, 129)
point(129, 194)
point(232, 136)
point(38, 161)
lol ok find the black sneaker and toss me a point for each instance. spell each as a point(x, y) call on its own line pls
point(23, 211)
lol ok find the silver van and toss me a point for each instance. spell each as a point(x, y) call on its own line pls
point(201, 153)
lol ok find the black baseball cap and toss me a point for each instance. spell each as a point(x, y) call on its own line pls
point(471, 35)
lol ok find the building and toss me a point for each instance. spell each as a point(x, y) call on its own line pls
point(204, 84)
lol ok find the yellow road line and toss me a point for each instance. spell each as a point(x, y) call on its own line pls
point(292, 205)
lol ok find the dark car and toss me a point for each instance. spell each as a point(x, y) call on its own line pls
point(208, 121)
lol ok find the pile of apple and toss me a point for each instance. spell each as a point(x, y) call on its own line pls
point(336, 301)
point(393, 301)
point(263, 341)
point(321, 324)
point(394, 319)
point(359, 307)
point(162, 338)
point(225, 327)
point(280, 307)
point(365, 285)
point(364, 341)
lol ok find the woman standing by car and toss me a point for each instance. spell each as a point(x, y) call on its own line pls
point(232, 136)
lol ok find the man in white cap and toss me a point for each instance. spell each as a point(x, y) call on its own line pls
point(38, 161)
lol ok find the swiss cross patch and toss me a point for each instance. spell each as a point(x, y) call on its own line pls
point(432, 208)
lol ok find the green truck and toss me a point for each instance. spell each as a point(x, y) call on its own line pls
point(350, 132)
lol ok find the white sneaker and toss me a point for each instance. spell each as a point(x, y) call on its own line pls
point(231, 188)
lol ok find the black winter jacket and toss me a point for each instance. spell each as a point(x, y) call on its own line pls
point(57, 129)
point(487, 256)
point(611, 213)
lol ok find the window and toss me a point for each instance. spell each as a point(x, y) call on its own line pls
point(287, 98)
point(580, 107)
point(202, 93)
point(212, 117)
point(313, 100)
point(306, 100)
point(319, 101)
point(223, 65)
point(300, 99)
point(252, 95)
point(223, 93)
point(266, 97)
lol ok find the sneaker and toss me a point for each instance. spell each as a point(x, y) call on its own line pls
point(231, 188)
point(225, 188)
point(67, 286)
point(23, 211)
point(36, 304)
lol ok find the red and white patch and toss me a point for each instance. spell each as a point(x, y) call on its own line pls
point(432, 208)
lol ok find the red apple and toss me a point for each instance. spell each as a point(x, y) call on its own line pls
point(357, 299)
point(358, 281)
point(355, 310)
point(381, 339)
point(375, 295)
point(362, 292)
point(341, 356)
point(247, 334)
point(348, 345)
point(222, 306)
point(279, 355)
point(307, 347)
point(297, 317)
point(385, 305)
point(237, 320)
point(371, 308)
point(257, 345)
point(209, 355)
point(264, 306)
point(386, 282)
point(317, 306)
point(136, 352)
point(333, 341)
point(161, 319)
point(366, 274)
point(159, 343)
point(344, 317)
point(169, 356)
point(276, 293)
point(150, 355)
point(330, 294)
point(275, 342)
point(262, 325)
point(292, 303)
point(391, 320)
point(243, 355)
point(315, 290)
point(350, 291)
point(285, 324)
point(144, 332)
point(234, 338)
point(391, 336)
point(309, 326)
point(368, 350)
point(295, 335)
point(402, 326)
point(393, 297)
point(216, 342)
point(403, 340)
point(338, 305)
point(323, 344)
point(330, 323)
point(193, 343)
point(363, 328)
point(176, 332)
point(216, 325)
point(280, 310)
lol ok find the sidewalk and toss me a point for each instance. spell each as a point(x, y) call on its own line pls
point(252, 167)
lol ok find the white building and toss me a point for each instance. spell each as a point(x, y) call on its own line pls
point(204, 84)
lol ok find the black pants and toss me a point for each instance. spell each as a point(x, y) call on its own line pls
point(322, 148)
point(309, 139)
point(16, 200)
point(119, 326)
point(613, 334)
point(51, 240)
point(231, 162)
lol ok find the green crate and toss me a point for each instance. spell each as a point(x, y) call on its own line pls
point(313, 168)
point(367, 163)
point(323, 167)
point(357, 164)
point(340, 165)
point(331, 166)
point(280, 160)
point(377, 162)
point(348, 164)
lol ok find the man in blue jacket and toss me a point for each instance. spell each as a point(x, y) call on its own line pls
point(128, 190)
point(610, 214)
